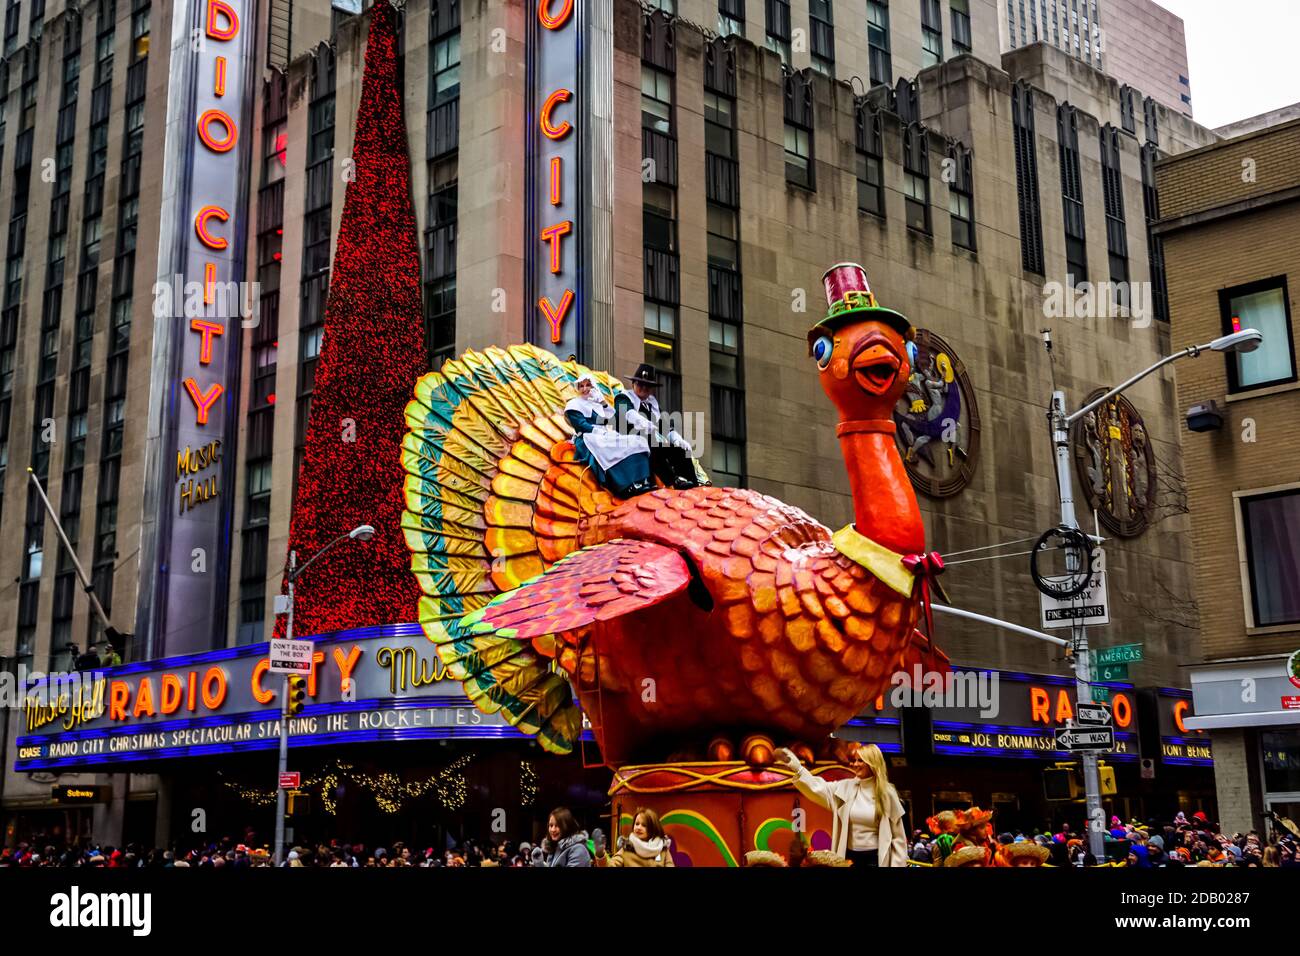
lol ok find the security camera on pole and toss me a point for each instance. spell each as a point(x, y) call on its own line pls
point(286, 658)
point(1244, 340)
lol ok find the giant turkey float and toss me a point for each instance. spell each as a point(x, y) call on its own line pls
point(695, 630)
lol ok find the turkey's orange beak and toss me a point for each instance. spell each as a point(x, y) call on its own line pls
point(875, 364)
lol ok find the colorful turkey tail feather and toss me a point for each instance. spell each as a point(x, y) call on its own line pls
point(482, 434)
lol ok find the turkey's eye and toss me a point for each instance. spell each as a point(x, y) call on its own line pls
point(822, 350)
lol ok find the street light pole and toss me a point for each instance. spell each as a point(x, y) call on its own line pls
point(284, 721)
point(1078, 632)
point(361, 533)
point(1243, 340)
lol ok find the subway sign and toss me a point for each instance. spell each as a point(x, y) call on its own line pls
point(199, 303)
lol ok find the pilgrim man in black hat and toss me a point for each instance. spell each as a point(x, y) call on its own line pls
point(638, 413)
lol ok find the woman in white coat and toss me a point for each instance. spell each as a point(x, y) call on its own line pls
point(866, 814)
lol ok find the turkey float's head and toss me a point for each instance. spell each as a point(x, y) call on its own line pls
point(860, 348)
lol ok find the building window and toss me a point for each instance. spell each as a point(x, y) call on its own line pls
point(916, 178)
point(1152, 120)
point(1112, 186)
point(931, 33)
point(1127, 117)
point(871, 185)
point(320, 130)
point(798, 156)
point(1265, 306)
point(723, 241)
point(1031, 225)
point(778, 29)
point(882, 71)
point(1155, 244)
point(659, 217)
point(667, 6)
point(1271, 530)
point(731, 18)
point(961, 41)
point(140, 35)
point(656, 100)
point(719, 125)
point(444, 80)
point(1076, 248)
point(660, 340)
point(727, 462)
point(870, 162)
point(822, 44)
point(961, 197)
point(724, 353)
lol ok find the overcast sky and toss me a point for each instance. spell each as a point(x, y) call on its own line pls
point(1242, 56)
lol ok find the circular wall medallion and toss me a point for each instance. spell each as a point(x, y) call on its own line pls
point(938, 420)
point(1293, 668)
point(1115, 465)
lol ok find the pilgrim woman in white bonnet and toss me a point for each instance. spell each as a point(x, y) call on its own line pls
point(620, 462)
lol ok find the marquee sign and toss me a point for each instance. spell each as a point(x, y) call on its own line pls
point(199, 302)
point(555, 193)
point(379, 683)
point(1030, 709)
point(1180, 744)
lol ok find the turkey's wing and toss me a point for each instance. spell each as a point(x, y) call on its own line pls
point(593, 584)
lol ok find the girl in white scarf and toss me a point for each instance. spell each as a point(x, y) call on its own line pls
point(647, 845)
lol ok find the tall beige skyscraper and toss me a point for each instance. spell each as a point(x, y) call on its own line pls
point(1138, 42)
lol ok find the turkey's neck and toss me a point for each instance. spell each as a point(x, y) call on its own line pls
point(884, 505)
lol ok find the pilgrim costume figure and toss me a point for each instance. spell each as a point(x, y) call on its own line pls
point(671, 457)
point(619, 462)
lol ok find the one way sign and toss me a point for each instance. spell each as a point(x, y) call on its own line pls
point(1095, 714)
point(1085, 738)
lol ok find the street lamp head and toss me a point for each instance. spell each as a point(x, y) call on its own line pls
point(1243, 340)
point(362, 532)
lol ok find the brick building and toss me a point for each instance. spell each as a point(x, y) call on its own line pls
point(1229, 221)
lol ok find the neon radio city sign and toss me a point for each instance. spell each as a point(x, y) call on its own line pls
point(557, 144)
point(218, 132)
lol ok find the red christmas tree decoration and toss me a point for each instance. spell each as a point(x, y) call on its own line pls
point(373, 352)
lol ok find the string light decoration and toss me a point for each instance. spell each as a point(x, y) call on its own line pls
point(388, 789)
point(258, 798)
point(450, 784)
point(527, 783)
point(372, 353)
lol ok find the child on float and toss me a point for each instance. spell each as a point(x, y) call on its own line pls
point(647, 845)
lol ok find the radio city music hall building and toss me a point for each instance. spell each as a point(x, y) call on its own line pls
point(717, 158)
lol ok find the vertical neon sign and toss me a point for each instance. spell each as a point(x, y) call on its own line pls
point(554, 199)
point(199, 299)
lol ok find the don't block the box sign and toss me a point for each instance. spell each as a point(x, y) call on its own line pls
point(199, 303)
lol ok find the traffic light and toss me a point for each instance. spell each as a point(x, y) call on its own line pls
point(1107, 775)
point(297, 694)
point(1059, 783)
